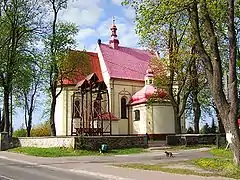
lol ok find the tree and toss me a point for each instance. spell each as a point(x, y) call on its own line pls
point(57, 43)
point(213, 127)
point(177, 59)
point(29, 86)
point(212, 31)
point(213, 66)
point(190, 130)
point(19, 20)
point(206, 129)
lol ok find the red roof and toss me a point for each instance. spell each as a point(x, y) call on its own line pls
point(86, 66)
point(125, 63)
point(146, 93)
point(106, 116)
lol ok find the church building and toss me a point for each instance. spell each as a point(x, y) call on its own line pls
point(135, 105)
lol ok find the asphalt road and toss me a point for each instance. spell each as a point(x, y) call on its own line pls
point(10, 170)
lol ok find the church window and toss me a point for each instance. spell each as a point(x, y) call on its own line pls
point(123, 108)
point(76, 109)
point(137, 115)
point(150, 81)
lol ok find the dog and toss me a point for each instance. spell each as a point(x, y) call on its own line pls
point(169, 154)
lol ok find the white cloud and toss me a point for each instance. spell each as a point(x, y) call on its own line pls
point(117, 2)
point(82, 12)
point(129, 13)
point(92, 48)
point(126, 32)
point(85, 33)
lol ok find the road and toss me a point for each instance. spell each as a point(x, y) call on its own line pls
point(10, 170)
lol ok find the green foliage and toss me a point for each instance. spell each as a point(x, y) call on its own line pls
point(221, 153)
point(21, 132)
point(220, 166)
point(190, 130)
point(206, 129)
point(42, 129)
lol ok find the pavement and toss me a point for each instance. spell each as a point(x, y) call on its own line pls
point(94, 167)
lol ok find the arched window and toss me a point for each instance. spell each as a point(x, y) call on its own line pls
point(76, 109)
point(123, 108)
point(137, 115)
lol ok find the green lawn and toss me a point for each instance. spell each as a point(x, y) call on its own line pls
point(60, 152)
point(221, 164)
point(162, 167)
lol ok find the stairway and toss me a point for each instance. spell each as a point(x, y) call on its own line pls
point(157, 145)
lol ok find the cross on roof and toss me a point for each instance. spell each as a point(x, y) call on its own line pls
point(113, 20)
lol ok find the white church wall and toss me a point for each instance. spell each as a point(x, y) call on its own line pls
point(63, 113)
point(149, 120)
point(68, 117)
point(139, 126)
point(122, 88)
point(163, 119)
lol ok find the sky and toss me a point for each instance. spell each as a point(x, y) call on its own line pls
point(93, 19)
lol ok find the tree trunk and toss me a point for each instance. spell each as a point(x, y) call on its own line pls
point(220, 123)
point(177, 120)
point(233, 96)
point(196, 104)
point(2, 121)
point(6, 110)
point(53, 108)
point(29, 125)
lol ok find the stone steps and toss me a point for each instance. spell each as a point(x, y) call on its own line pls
point(156, 143)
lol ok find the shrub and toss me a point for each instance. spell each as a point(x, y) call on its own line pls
point(20, 132)
point(42, 129)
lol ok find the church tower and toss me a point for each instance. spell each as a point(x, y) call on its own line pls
point(113, 43)
point(149, 77)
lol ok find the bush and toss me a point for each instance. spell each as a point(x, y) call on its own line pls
point(20, 132)
point(42, 129)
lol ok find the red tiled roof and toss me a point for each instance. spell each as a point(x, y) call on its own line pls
point(85, 68)
point(125, 63)
point(147, 92)
point(106, 116)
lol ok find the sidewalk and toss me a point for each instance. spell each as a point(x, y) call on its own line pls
point(100, 166)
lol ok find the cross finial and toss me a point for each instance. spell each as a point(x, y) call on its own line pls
point(113, 20)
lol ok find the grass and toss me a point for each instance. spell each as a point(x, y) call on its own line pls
point(160, 167)
point(61, 152)
point(222, 163)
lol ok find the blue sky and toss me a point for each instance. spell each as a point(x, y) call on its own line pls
point(94, 19)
